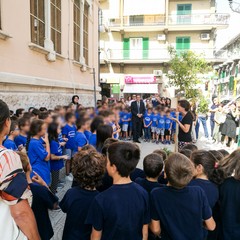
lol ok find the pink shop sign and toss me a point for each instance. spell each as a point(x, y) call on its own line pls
point(141, 79)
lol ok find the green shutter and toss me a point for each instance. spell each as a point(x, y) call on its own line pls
point(236, 71)
point(126, 48)
point(231, 83)
point(184, 9)
point(115, 89)
point(183, 43)
point(145, 48)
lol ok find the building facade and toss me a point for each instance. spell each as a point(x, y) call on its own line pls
point(48, 51)
point(136, 36)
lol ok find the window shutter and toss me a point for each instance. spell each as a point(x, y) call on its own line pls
point(231, 83)
point(126, 48)
point(145, 48)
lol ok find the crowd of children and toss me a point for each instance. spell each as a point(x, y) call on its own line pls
point(194, 194)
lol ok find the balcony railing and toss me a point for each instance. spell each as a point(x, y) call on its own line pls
point(156, 20)
point(199, 19)
point(152, 54)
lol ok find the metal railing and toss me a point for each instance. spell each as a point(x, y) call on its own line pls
point(199, 19)
point(173, 19)
point(151, 54)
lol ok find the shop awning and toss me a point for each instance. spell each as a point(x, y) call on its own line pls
point(140, 88)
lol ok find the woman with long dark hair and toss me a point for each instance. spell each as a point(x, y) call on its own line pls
point(185, 125)
point(103, 132)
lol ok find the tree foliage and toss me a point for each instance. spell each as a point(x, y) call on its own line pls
point(184, 69)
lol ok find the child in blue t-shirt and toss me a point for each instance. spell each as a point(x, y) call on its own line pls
point(161, 127)
point(24, 127)
point(110, 211)
point(147, 121)
point(168, 127)
point(69, 132)
point(180, 200)
point(80, 139)
point(88, 170)
point(57, 157)
point(125, 123)
point(14, 132)
point(206, 177)
point(155, 116)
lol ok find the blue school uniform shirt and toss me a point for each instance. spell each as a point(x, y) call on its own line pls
point(75, 204)
point(56, 149)
point(168, 123)
point(161, 122)
point(125, 116)
point(120, 212)
point(180, 211)
point(147, 119)
point(147, 185)
point(43, 200)
point(210, 189)
point(70, 133)
point(80, 140)
point(93, 140)
point(113, 125)
point(20, 140)
point(120, 117)
point(10, 144)
point(88, 134)
point(37, 154)
point(155, 120)
point(229, 197)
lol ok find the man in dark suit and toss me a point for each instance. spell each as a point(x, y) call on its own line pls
point(138, 110)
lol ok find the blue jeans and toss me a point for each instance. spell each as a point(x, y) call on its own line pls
point(147, 132)
point(202, 120)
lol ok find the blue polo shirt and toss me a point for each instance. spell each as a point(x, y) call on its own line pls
point(80, 140)
point(168, 123)
point(161, 122)
point(147, 119)
point(155, 120)
point(69, 132)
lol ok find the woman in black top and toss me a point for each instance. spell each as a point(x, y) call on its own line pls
point(185, 125)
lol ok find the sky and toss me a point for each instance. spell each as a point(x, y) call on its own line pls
point(223, 36)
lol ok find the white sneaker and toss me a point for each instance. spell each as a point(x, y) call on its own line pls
point(69, 178)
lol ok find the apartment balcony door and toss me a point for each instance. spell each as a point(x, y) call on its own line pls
point(184, 12)
point(136, 48)
point(182, 44)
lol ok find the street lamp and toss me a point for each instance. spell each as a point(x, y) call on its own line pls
point(235, 6)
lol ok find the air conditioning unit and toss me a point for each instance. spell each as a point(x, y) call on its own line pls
point(157, 73)
point(205, 36)
point(161, 37)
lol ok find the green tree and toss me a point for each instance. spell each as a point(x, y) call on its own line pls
point(184, 68)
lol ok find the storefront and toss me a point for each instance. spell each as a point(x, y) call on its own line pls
point(140, 84)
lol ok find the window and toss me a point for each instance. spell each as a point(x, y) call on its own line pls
point(184, 13)
point(136, 20)
point(37, 19)
point(56, 25)
point(136, 48)
point(85, 32)
point(182, 43)
point(76, 30)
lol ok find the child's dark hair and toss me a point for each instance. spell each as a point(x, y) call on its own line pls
point(96, 122)
point(191, 147)
point(53, 131)
point(153, 165)
point(208, 162)
point(19, 111)
point(43, 109)
point(105, 113)
point(230, 165)
point(80, 122)
point(186, 152)
point(5, 114)
point(22, 122)
point(68, 116)
point(13, 126)
point(179, 170)
point(124, 156)
point(35, 112)
point(103, 132)
point(216, 154)
point(88, 168)
point(44, 115)
point(35, 128)
point(107, 143)
point(28, 115)
point(224, 152)
point(162, 153)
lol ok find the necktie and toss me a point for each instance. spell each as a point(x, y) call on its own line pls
point(138, 105)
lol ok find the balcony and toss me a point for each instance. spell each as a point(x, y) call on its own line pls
point(198, 21)
point(159, 55)
point(201, 21)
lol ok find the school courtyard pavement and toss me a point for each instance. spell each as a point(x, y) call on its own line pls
point(58, 217)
